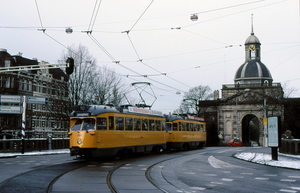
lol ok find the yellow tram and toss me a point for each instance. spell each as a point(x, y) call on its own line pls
point(98, 130)
point(185, 133)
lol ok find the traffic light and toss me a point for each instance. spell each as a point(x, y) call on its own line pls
point(70, 66)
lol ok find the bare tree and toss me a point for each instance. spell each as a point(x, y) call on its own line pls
point(89, 81)
point(191, 99)
point(108, 87)
point(288, 91)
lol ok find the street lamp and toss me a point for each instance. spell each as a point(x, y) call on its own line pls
point(69, 30)
point(194, 17)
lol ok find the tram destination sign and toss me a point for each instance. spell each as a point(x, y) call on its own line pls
point(10, 99)
point(37, 100)
point(11, 109)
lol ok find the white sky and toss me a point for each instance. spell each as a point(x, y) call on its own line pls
point(194, 55)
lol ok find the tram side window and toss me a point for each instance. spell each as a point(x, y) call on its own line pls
point(128, 124)
point(163, 125)
point(179, 126)
point(189, 126)
point(202, 129)
point(197, 127)
point(175, 126)
point(119, 123)
point(157, 125)
point(194, 127)
point(145, 124)
point(111, 123)
point(137, 124)
point(151, 124)
point(101, 123)
point(183, 126)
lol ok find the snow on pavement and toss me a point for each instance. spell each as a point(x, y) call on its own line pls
point(284, 160)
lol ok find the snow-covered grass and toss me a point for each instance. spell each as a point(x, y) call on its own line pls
point(284, 160)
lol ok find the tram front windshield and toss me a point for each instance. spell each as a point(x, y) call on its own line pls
point(87, 124)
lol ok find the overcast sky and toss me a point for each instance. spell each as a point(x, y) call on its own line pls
point(162, 36)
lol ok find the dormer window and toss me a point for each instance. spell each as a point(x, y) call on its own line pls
point(7, 63)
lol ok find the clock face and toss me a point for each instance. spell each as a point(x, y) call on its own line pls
point(252, 47)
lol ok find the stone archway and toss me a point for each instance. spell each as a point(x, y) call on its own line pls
point(250, 129)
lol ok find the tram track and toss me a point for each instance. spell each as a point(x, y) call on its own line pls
point(113, 175)
point(37, 180)
point(134, 170)
point(109, 176)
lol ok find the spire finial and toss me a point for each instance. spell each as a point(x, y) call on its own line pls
point(252, 32)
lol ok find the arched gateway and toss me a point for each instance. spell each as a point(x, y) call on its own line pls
point(250, 130)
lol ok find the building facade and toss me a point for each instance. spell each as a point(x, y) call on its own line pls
point(42, 120)
point(240, 110)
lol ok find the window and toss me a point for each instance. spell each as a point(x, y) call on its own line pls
point(128, 122)
point(183, 126)
point(151, 124)
point(137, 124)
point(194, 127)
point(175, 126)
point(84, 125)
point(7, 63)
point(168, 126)
point(88, 124)
point(101, 123)
point(119, 123)
point(12, 85)
point(77, 125)
point(7, 82)
point(111, 123)
point(25, 85)
point(163, 125)
point(157, 125)
point(145, 124)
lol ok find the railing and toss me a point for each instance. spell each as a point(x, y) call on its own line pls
point(15, 145)
point(290, 146)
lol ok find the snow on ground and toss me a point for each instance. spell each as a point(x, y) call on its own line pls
point(44, 152)
point(284, 160)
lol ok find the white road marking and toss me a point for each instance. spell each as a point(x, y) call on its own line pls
point(285, 190)
point(261, 178)
point(247, 173)
point(295, 188)
point(287, 180)
point(216, 163)
point(227, 179)
point(294, 176)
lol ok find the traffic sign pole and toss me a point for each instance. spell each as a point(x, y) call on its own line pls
point(23, 124)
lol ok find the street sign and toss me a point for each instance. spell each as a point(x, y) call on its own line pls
point(37, 100)
point(11, 109)
point(10, 99)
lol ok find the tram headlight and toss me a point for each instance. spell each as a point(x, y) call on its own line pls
point(79, 141)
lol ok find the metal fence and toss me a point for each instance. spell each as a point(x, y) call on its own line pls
point(15, 145)
point(290, 146)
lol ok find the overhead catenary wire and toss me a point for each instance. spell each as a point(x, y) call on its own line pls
point(40, 18)
point(94, 15)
